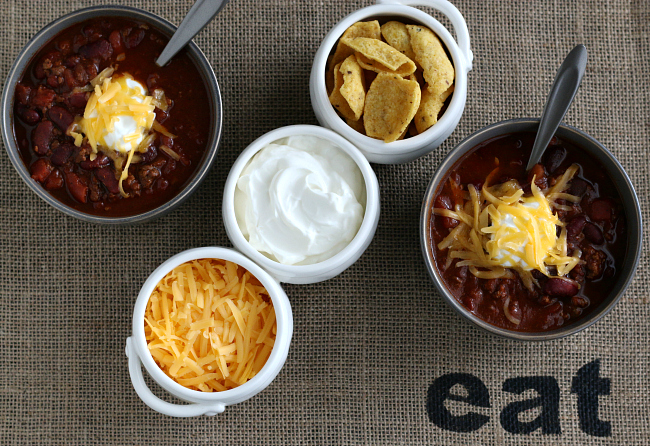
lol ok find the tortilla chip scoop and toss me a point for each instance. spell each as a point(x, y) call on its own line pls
point(375, 55)
point(430, 54)
point(430, 107)
point(359, 29)
point(337, 100)
point(353, 89)
point(391, 103)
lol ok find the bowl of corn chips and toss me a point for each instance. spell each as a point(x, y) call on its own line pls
point(392, 80)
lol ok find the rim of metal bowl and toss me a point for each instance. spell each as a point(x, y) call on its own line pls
point(52, 30)
point(616, 173)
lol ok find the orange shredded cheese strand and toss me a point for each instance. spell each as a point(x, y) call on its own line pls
point(210, 325)
point(499, 229)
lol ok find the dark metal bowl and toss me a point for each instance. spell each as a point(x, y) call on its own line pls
point(52, 30)
point(615, 172)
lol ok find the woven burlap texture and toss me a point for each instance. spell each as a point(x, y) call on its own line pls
point(367, 344)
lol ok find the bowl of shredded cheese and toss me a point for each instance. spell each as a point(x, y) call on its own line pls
point(210, 327)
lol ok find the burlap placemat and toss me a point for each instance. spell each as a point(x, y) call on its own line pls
point(374, 349)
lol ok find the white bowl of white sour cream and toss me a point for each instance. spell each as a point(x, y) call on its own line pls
point(306, 208)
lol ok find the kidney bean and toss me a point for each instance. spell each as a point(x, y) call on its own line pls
point(54, 181)
point(161, 116)
point(600, 210)
point(23, 92)
point(593, 234)
point(149, 155)
point(561, 287)
point(553, 158)
point(69, 79)
point(61, 117)
point(185, 161)
point(444, 202)
point(41, 169)
point(134, 38)
point(100, 160)
point(80, 75)
point(473, 298)
point(575, 226)
point(162, 184)
point(540, 176)
point(77, 187)
point(92, 32)
point(78, 41)
point(42, 137)
point(167, 141)
point(91, 68)
point(107, 177)
point(27, 114)
point(100, 49)
point(43, 97)
point(72, 61)
point(54, 81)
point(78, 100)
point(578, 187)
point(116, 41)
point(61, 154)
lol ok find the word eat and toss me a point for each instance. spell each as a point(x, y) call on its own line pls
point(586, 384)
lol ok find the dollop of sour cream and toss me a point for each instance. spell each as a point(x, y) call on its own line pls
point(300, 200)
point(118, 116)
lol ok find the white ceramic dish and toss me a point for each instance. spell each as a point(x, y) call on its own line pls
point(204, 403)
point(326, 269)
point(411, 148)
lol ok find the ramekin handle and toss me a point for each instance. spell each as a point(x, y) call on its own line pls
point(151, 400)
point(454, 16)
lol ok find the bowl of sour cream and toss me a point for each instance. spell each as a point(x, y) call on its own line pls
point(302, 202)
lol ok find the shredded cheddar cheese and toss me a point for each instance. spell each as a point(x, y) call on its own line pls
point(118, 120)
point(501, 230)
point(210, 325)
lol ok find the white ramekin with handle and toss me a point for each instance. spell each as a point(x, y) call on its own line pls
point(326, 269)
point(204, 403)
point(410, 148)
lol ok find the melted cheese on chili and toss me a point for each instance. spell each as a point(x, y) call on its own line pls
point(500, 229)
point(118, 116)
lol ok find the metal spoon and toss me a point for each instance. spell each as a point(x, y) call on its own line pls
point(199, 16)
point(565, 86)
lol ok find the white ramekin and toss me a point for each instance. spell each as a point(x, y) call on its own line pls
point(326, 269)
point(205, 403)
point(411, 148)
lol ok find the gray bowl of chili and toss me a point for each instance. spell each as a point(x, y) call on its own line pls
point(617, 239)
point(169, 188)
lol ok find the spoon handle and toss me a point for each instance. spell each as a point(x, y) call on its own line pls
point(564, 89)
point(199, 16)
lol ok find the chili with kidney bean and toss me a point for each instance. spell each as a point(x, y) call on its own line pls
point(48, 98)
point(595, 225)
